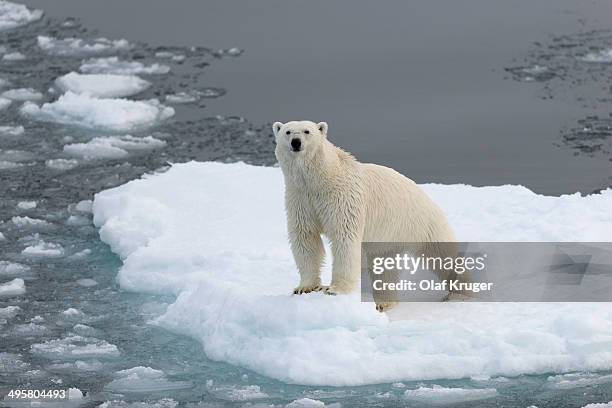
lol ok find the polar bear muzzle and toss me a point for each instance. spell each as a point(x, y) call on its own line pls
point(296, 144)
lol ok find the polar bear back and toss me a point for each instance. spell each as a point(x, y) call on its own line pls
point(397, 209)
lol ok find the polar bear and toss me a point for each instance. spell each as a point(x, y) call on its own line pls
point(328, 192)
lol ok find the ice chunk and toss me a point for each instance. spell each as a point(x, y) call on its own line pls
point(602, 56)
point(13, 269)
point(577, 380)
point(15, 287)
point(77, 220)
point(79, 365)
point(112, 147)
point(8, 165)
point(13, 56)
point(194, 95)
point(27, 222)
point(43, 249)
point(26, 205)
point(102, 85)
point(188, 232)
point(438, 395)
point(84, 206)
point(29, 330)
point(22, 94)
point(4, 103)
point(80, 47)
point(11, 130)
point(12, 363)
point(233, 393)
point(8, 312)
point(143, 379)
point(62, 164)
point(13, 15)
point(113, 65)
point(162, 403)
point(81, 254)
point(75, 347)
point(72, 312)
point(309, 403)
point(112, 114)
point(86, 282)
point(599, 405)
point(2, 237)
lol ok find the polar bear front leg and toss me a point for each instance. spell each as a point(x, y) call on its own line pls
point(308, 252)
point(346, 268)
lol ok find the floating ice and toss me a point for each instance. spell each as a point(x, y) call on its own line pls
point(15, 287)
point(143, 379)
point(62, 164)
point(238, 393)
point(12, 363)
point(112, 114)
point(102, 85)
point(8, 165)
point(310, 403)
point(27, 222)
point(26, 205)
point(81, 254)
point(4, 103)
point(194, 95)
point(214, 235)
point(599, 405)
point(22, 94)
point(577, 380)
point(29, 330)
point(43, 249)
point(603, 56)
point(79, 365)
point(81, 47)
point(162, 403)
point(13, 15)
point(72, 312)
point(77, 221)
point(8, 312)
point(229, 52)
point(84, 206)
point(87, 282)
point(75, 347)
point(13, 269)
point(438, 395)
point(13, 56)
point(113, 65)
point(112, 147)
point(2, 237)
point(11, 130)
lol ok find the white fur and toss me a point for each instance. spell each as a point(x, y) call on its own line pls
point(328, 192)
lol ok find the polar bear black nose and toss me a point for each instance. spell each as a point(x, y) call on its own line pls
point(296, 144)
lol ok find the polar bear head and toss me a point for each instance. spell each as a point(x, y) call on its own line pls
point(297, 139)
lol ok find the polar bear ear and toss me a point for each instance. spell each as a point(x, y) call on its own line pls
point(322, 128)
point(276, 127)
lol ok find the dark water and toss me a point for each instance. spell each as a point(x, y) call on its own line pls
point(418, 86)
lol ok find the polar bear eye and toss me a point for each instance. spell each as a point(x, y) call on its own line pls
point(288, 132)
point(307, 132)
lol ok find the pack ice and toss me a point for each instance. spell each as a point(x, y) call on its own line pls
point(14, 15)
point(214, 236)
point(106, 114)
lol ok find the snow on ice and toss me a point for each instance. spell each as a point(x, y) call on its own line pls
point(110, 114)
point(80, 47)
point(113, 65)
point(112, 147)
point(214, 235)
point(102, 85)
point(13, 15)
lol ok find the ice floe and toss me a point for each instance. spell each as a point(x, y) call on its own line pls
point(13, 269)
point(2, 237)
point(111, 114)
point(87, 282)
point(194, 95)
point(214, 235)
point(26, 205)
point(438, 395)
point(577, 380)
point(143, 379)
point(15, 287)
point(4, 103)
point(13, 56)
point(162, 403)
point(11, 130)
point(84, 206)
point(238, 393)
point(113, 65)
point(29, 330)
point(112, 147)
point(75, 347)
point(42, 249)
point(61, 164)
point(13, 15)
point(12, 363)
point(22, 94)
point(603, 56)
point(102, 85)
point(8, 313)
point(27, 222)
point(80, 47)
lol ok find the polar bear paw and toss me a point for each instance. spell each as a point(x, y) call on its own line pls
point(301, 290)
point(384, 306)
